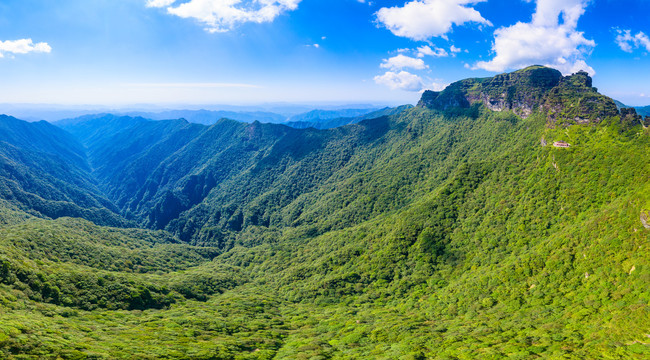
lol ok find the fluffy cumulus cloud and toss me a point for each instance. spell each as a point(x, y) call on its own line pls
point(402, 61)
point(23, 46)
point(550, 39)
point(402, 80)
point(423, 19)
point(224, 15)
point(628, 42)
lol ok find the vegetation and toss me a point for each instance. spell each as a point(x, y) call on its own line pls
point(320, 119)
point(430, 234)
point(43, 171)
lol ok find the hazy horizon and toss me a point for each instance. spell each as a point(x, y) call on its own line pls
point(55, 112)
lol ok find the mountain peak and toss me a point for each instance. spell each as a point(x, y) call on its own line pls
point(567, 99)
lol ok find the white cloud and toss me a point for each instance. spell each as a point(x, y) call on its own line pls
point(428, 51)
point(628, 43)
point(401, 61)
point(544, 41)
point(224, 15)
point(402, 80)
point(423, 19)
point(23, 46)
point(455, 50)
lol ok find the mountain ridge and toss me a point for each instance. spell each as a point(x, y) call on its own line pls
point(433, 233)
point(566, 99)
point(44, 169)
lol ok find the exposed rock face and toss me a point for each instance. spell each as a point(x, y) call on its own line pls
point(575, 101)
point(521, 91)
point(645, 219)
point(629, 116)
point(567, 100)
point(428, 98)
point(452, 97)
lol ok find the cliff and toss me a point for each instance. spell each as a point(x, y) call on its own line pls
point(566, 99)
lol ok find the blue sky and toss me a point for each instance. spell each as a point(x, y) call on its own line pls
point(126, 52)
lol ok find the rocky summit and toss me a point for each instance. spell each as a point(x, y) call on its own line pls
point(567, 100)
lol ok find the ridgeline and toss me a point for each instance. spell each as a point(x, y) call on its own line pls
point(451, 230)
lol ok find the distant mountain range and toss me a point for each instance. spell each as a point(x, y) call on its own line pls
point(318, 119)
point(206, 117)
point(207, 114)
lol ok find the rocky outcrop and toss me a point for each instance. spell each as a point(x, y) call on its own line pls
point(645, 219)
point(630, 117)
point(566, 99)
point(428, 99)
point(521, 91)
point(575, 101)
point(452, 97)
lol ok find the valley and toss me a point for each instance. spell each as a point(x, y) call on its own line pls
point(441, 231)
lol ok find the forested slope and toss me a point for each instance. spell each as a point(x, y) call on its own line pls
point(444, 232)
point(43, 170)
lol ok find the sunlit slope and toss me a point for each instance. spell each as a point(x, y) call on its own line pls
point(523, 250)
point(514, 257)
point(439, 233)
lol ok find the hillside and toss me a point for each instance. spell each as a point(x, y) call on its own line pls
point(319, 119)
point(43, 171)
point(452, 230)
point(206, 184)
point(326, 123)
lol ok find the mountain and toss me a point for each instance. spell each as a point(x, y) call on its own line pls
point(185, 177)
point(643, 110)
point(209, 117)
point(321, 119)
point(162, 172)
point(454, 229)
point(91, 128)
point(43, 171)
point(341, 121)
point(316, 115)
point(567, 100)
